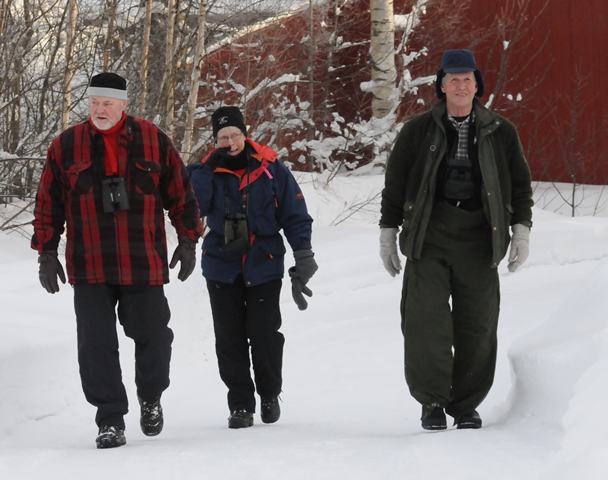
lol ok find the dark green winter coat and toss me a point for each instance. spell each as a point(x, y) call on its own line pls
point(409, 191)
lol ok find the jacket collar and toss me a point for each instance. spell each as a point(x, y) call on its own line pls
point(264, 156)
point(262, 152)
point(484, 117)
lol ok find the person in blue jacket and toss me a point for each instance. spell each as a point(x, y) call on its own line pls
point(248, 197)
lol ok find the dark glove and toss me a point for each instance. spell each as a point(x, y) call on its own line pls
point(50, 268)
point(216, 157)
point(298, 290)
point(185, 253)
point(305, 265)
point(300, 275)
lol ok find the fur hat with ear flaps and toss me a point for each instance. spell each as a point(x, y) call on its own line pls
point(458, 61)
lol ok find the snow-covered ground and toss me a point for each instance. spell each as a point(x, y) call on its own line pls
point(347, 413)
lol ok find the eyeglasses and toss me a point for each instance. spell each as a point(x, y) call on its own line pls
point(234, 137)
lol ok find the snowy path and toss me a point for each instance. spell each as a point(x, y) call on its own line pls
point(346, 410)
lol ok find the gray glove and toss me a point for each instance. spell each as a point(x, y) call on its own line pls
point(298, 290)
point(388, 250)
point(50, 268)
point(520, 246)
point(305, 265)
point(185, 253)
point(300, 275)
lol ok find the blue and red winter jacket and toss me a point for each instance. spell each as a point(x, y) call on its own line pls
point(272, 200)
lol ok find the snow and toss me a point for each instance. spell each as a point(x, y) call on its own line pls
point(347, 413)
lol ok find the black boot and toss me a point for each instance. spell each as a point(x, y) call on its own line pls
point(468, 420)
point(151, 420)
point(240, 419)
point(270, 410)
point(110, 436)
point(433, 418)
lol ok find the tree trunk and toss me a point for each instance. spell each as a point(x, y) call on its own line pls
point(112, 5)
point(143, 77)
point(311, 86)
point(194, 87)
point(3, 14)
point(169, 92)
point(382, 54)
point(69, 64)
point(15, 82)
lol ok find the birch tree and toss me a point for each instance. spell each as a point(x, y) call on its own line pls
point(145, 49)
point(194, 81)
point(111, 8)
point(311, 72)
point(168, 80)
point(382, 55)
point(3, 14)
point(69, 64)
point(19, 67)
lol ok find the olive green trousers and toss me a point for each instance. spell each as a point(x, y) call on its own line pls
point(449, 312)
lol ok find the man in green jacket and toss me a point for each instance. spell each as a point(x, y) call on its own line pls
point(456, 180)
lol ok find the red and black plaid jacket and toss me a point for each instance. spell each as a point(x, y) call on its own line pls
point(126, 247)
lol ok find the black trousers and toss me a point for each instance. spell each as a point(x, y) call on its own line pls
point(450, 306)
point(144, 314)
point(243, 317)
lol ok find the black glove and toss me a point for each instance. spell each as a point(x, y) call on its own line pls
point(216, 157)
point(298, 290)
point(50, 268)
point(185, 253)
point(305, 265)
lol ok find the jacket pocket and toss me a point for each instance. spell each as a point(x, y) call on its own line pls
point(267, 251)
point(408, 211)
point(146, 177)
point(508, 214)
point(80, 177)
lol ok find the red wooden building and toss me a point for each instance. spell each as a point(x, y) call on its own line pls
point(543, 63)
point(562, 58)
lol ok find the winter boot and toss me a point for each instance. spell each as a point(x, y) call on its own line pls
point(270, 409)
point(468, 420)
point(240, 419)
point(151, 420)
point(110, 436)
point(433, 418)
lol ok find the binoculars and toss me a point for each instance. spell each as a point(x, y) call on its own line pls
point(114, 194)
point(236, 234)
